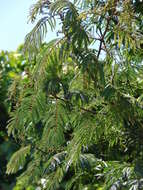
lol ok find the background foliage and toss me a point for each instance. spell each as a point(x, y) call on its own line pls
point(11, 65)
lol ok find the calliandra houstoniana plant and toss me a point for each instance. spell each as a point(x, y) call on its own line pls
point(78, 117)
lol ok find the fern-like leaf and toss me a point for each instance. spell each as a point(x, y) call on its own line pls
point(18, 160)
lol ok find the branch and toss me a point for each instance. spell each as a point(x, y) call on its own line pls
point(102, 37)
point(67, 101)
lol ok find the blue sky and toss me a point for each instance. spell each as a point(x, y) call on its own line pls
point(13, 23)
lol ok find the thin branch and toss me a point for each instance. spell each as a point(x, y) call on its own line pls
point(102, 37)
point(67, 101)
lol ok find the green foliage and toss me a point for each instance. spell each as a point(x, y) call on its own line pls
point(19, 158)
point(78, 111)
point(12, 64)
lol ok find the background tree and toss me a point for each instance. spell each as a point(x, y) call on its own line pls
point(78, 112)
point(11, 65)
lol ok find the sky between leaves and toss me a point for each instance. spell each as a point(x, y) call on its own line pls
point(14, 23)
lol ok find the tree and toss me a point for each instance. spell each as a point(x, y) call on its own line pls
point(78, 113)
